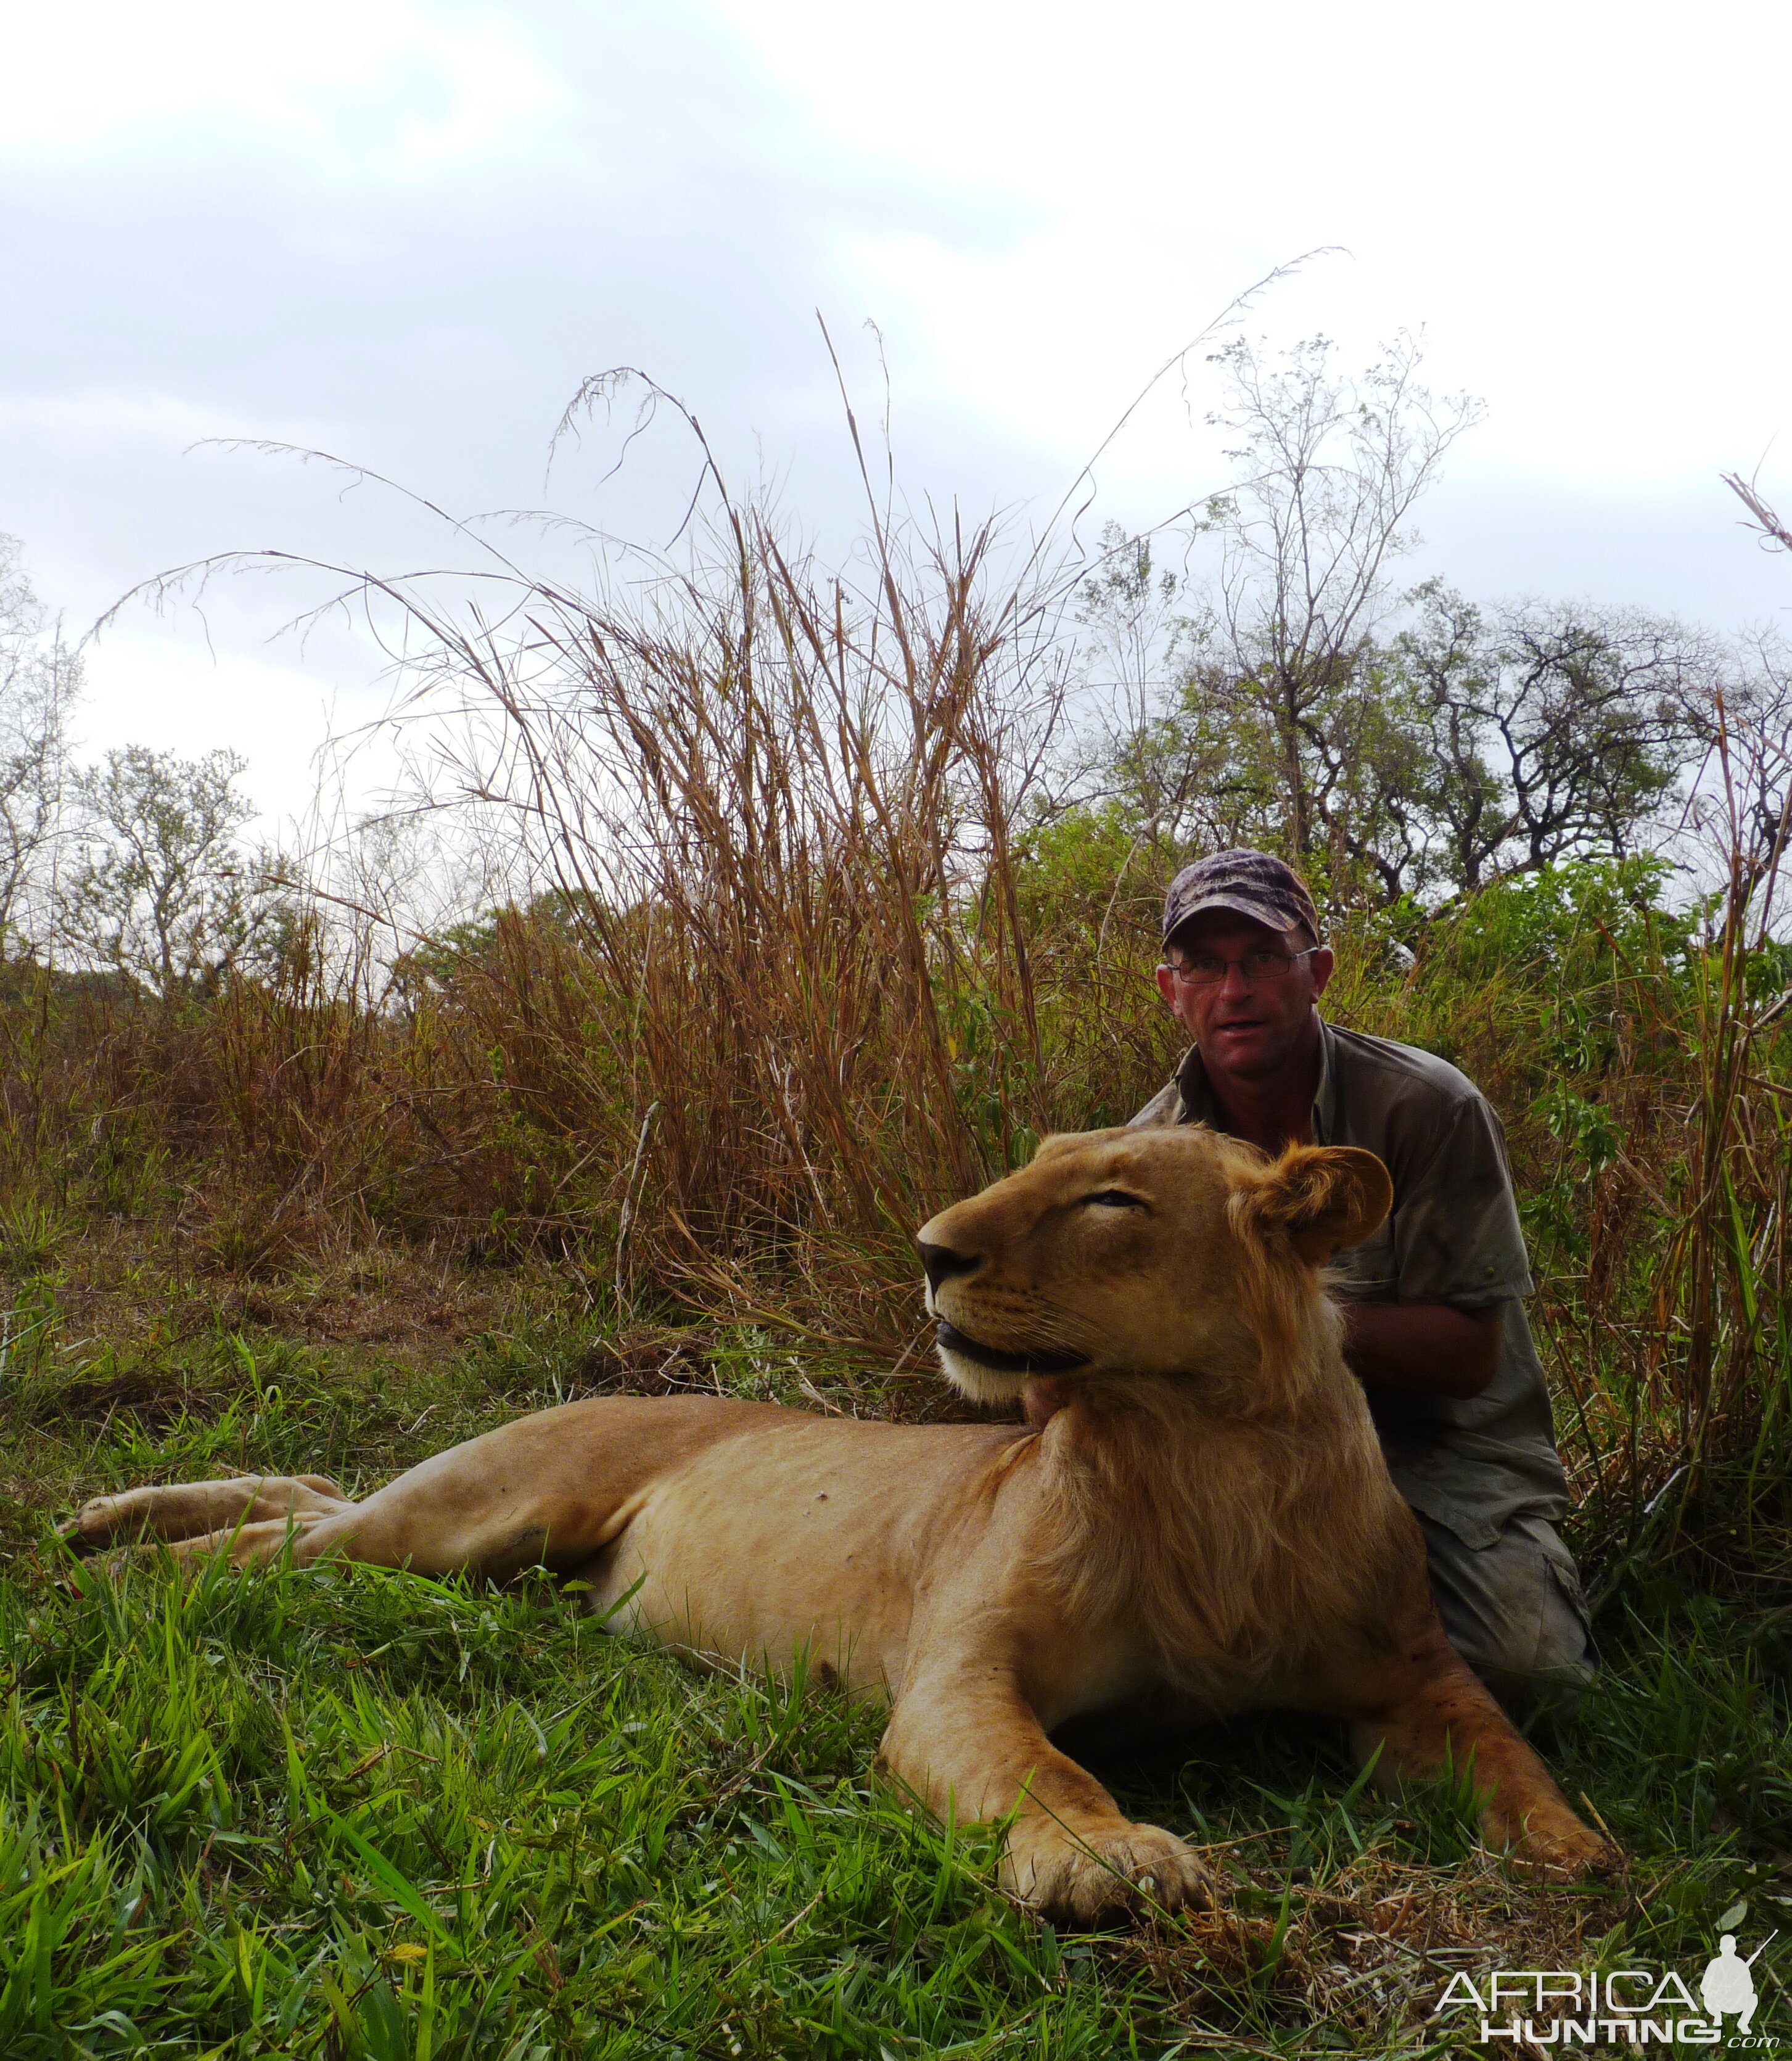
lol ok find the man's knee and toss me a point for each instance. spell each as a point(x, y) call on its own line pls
point(1515, 1610)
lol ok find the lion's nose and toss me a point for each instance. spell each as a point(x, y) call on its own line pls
point(941, 1262)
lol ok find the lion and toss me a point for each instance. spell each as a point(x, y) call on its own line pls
point(1194, 1520)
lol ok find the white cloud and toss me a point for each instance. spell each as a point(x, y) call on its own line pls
point(375, 86)
point(101, 421)
point(172, 691)
point(405, 229)
point(1581, 204)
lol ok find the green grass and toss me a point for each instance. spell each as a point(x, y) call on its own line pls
point(343, 1812)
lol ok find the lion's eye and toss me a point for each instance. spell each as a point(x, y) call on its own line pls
point(1112, 1198)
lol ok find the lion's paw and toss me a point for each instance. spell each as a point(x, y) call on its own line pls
point(1086, 1880)
point(95, 1525)
point(1553, 1843)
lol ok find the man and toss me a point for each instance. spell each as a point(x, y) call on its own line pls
point(1435, 1325)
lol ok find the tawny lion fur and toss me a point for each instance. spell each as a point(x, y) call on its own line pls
point(1196, 1519)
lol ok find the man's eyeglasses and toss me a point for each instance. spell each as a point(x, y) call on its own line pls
point(1207, 969)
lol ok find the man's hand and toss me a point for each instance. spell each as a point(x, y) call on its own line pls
point(1424, 1348)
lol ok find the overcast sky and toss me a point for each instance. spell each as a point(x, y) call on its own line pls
point(403, 231)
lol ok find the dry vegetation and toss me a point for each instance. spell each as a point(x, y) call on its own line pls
point(806, 957)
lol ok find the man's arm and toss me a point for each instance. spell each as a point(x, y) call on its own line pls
point(1425, 1348)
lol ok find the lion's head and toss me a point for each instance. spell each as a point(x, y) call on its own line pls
point(1176, 1251)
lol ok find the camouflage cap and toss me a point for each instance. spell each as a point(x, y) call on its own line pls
point(1243, 884)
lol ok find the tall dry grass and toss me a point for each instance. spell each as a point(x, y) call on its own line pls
point(802, 961)
point(784, 989)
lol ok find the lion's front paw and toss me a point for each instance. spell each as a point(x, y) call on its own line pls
point(1551, 1840)
point(1084, 1879)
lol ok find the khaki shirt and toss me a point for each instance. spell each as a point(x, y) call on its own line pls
point(1452, 1237)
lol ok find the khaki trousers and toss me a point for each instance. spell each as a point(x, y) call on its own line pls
point(1514, 1611)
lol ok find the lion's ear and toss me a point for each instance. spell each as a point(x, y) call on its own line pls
point(1319, 1198)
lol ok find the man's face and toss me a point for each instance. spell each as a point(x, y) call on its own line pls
point(1250, 1029)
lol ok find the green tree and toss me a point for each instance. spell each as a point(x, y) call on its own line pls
point(1411, 742)
point(1550, 731)
point(1328, 468)
point(160, 890)
point(40, 680)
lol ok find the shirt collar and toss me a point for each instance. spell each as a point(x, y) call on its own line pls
point(1197, 1100)
point(1325, 1099)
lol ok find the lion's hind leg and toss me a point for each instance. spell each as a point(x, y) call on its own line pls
point(196, 1511)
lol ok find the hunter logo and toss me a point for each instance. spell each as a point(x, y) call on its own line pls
point(1625, 2006)
point(1728, 1984)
